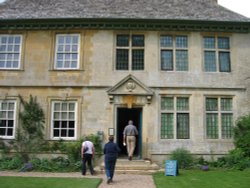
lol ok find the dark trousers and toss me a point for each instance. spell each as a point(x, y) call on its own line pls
point(110, 167)
point(87, 158)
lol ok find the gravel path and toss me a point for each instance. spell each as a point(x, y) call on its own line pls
point(120, 180)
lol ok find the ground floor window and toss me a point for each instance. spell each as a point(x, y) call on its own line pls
point(7, 118)
point(219, 118)
point(174, 117)
point(64, 119)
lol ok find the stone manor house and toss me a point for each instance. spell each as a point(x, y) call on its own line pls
point(180, 69)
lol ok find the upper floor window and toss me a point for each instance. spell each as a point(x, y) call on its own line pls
point(174, 53)
point(174, 117)
point(10, 51)
point(219, 118)
point(64, 119)
point(7, 118)
point(129, 52)
point(216, 54)
point(67, 51)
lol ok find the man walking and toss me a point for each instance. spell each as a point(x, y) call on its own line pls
point(87, 151)
point(129, 138)
point(111, 151)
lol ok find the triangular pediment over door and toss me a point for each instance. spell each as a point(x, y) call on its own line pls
point(130, 91)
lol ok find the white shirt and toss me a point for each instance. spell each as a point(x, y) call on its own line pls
point(89, 145)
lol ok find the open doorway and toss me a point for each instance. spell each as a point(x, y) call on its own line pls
point(123, 116)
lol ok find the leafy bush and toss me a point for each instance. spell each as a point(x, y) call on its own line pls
point(234, 160)
point(11, 163)
point(184, 158)
point(242, 135)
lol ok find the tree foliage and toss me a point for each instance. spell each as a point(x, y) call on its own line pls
point(242, 134)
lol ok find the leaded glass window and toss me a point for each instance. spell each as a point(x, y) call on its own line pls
point(216, 54)
point(174, 53)
point(67, 51)
point(219, 118)
point(7, 118)
point(174, 117)
point(10, 51)
point(129, 52)
point(64, 119)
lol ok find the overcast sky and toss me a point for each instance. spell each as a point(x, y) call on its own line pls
point(240, 6)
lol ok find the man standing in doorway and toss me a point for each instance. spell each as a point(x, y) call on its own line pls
point(129, 138)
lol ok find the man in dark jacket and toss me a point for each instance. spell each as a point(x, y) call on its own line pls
point(111, 151)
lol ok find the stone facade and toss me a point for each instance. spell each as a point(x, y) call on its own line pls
point(105, 98)
point(100, 90)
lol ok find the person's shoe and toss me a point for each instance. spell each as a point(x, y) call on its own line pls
point(109, 181)
point(130, 158)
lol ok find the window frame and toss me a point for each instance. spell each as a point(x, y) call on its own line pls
point(219, 112)
point(130, 48)
point(53, 102)
point(217, 51)
point(79, 51)
point(175, 112)
point(14, 118)
point(174, 49)
point(20, 52)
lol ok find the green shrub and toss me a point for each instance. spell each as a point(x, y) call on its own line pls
point(235, 159)
point(11, 163)
point(184, 158)
point(242, 135)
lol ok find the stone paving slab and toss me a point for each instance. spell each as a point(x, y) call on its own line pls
point(120, 180)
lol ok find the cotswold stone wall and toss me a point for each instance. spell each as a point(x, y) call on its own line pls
point(88, 86)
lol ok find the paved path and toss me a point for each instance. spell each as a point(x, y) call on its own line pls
point(120, 180)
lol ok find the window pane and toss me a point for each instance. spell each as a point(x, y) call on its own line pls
point(56, 133)
point(182, 103)
point(166, 41)
point(122, 59)
point(211, 104)
point(71, 106)
point(226, 104)
point(181, 60)
point(223, 43)
point(212, 126)
point(167, 123)
point(181, 42)
point(137, 59)
point(209, 42)
point(210, 61)
point(166, 60)
point(138, 40)
point(227, 125)
point(122, 40)
point(224, 61)
point(167, 103)
point(182, 126)
point(71, 133)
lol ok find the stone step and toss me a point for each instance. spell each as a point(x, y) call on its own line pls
point(124, 166)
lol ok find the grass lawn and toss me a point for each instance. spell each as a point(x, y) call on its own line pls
point(39, 182)
point(204, 179)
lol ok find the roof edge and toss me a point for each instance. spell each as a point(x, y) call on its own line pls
point(125, 24)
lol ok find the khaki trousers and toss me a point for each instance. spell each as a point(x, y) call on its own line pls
point(130, 141)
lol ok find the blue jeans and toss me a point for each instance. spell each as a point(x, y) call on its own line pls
point(110, 167)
